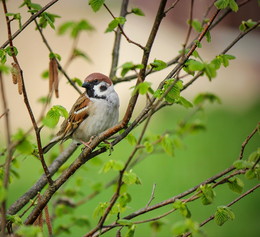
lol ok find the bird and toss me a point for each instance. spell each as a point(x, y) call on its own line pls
point(96, 110)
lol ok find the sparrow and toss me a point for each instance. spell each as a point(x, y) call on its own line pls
point(96, 110)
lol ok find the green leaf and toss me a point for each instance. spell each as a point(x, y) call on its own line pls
point(179, 228)
point(182, 207)
point(81, 221)
point(253, 157)
point(131, 231)
point(100, 209)
point(236, 184)
point(251, 174)
point(203, 97)
point(10, 50)
point(207, 194)
point(53, 116)
point(124, 199)
point(246, 25)
point(124, 222)
point(15, 219)
point(131, 178)
point(131, 139)
point(148, 147)
point(158, 65)
point(137, 11)
point(79, 53)
point(174, 92)
point(196, 25)
point(96, 4)
point(116, 165)
point(233, 5)
point(194, 65)
point(54, 55)
point(126, 67)
point(29, 231)
point(221, 4)
point(143, 88)
point(77, 81)
point(167, 145)
point(242, 164)
point(208, 36)
point(224, 59)
point(114, 23)
point(24, 146)
point(184, 102)
point(223, 214)
point(79, 27)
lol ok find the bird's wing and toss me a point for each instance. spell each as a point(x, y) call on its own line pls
point(78, 113)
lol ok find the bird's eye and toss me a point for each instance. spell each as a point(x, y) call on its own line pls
point(103, 88)
point(95, 81)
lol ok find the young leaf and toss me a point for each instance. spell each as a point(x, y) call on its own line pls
point(114, 23)
point(124, 222)
point(242, 164)
point(182, 207)
point(194, 65)
point(221, 4)
point(131, 139)
point(126, 67)
point(131, 178)
point(99, 211)
point(203, 97)
point(142, 88)
point(179, 228)
point(236, 184)
point(158, 65)
point(167, 145)
point(131, 231)
point(96, 4)
point(184, 102)
point(148, 147)
point(245, 25)
point(137, 11)
point(223, 214)
point(29, 231)
point(207, 194)
point(196, 25)
point(233, 5)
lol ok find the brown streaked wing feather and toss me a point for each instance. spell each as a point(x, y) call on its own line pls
point(75, 117)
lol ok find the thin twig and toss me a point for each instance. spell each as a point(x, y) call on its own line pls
point(122, 31)
point(247, 140)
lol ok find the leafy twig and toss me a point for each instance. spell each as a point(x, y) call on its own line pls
point(122, 31)
point(29, 21)
point(228, 205)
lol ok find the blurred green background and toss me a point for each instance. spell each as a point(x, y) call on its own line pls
point(203, 155)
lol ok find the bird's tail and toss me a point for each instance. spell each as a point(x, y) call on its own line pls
point(49, 146)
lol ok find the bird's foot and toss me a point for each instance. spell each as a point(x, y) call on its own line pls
point(86, 144)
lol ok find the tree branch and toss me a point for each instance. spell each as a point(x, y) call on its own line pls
point(116, 47)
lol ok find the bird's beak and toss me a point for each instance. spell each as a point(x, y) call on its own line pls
point(86, 85)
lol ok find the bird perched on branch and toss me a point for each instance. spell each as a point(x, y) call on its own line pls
point(93, 112)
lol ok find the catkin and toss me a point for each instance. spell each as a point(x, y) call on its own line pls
point(53, 77)
point(17, 77)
